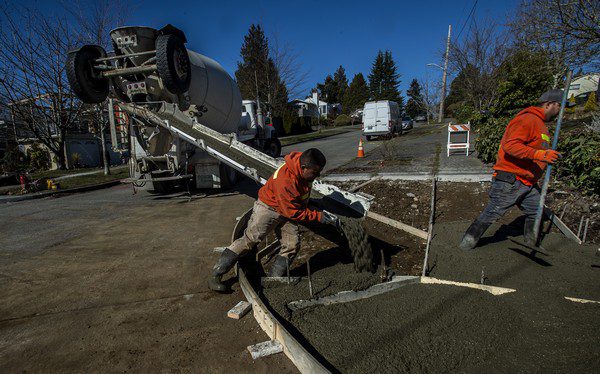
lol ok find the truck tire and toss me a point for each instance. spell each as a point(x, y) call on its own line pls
point(173, 63)
point(87, 86)
point(273, 147)
point(368, 137)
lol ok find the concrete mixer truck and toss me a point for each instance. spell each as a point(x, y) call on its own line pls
point(150, 67)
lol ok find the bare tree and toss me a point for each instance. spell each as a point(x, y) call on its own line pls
point(430, 96)
point(33, 50)
point(478, 57)
point(567, 30)
point(287, 62)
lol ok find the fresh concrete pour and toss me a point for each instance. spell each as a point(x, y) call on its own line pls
point(442, 328)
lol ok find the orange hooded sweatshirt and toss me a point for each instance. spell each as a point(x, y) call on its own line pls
point(525, 134)
point(287, 192)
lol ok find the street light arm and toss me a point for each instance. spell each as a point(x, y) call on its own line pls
point(436, 65)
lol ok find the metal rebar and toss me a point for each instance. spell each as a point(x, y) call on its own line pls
point(564, 211)
point(383, 275)
point(580, 226)
point(430, 228)
point(587, 221)
point(482, 275)
point(310, 288)
point(287, 264)
point(544, 190)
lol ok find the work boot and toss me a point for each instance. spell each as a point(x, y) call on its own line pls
point(473, 234)
point(279, 267)
point(528, 233)
point(224, 264)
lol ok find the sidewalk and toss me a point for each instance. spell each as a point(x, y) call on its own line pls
point(422, 151)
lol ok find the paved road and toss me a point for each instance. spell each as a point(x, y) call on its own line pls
point(109, 281)
point(338, 149)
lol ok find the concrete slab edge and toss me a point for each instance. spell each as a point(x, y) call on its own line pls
point(582, 301)
point(443, 177)
point(494, 290)
point(299, 356)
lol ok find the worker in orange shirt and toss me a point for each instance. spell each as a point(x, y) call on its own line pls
point(523, 155)
point(282, 203)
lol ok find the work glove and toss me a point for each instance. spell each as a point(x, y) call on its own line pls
point(548, 156)
point(329, 218)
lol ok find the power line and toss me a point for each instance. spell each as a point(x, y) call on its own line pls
point(467, 20)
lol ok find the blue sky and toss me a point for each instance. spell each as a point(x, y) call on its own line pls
point(325, 34)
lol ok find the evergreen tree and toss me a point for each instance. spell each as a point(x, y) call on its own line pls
point(328, 90)
point(414, 105)
point(384, 79)
point(341, 83)
point(258, 69)
point(357, 94)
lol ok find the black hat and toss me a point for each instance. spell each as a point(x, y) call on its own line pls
point(554, 95)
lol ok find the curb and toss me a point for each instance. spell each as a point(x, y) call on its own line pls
point(91, 187)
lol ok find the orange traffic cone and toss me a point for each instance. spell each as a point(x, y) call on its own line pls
point(361, 151)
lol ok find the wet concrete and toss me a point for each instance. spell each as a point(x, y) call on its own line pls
point(439, 328)
point(358, 243)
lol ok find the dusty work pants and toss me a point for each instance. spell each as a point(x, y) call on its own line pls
point(504, 195)
point(265, 219)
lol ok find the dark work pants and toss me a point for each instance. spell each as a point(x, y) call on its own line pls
point(504, 195)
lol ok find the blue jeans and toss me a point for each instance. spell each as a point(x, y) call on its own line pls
point(504, 195)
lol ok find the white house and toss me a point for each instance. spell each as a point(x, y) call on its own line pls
point(324, 107)
point(305, 108)
point(582, 86)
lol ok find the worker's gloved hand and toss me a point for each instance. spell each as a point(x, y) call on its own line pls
point(329, 218)
point(549, 156)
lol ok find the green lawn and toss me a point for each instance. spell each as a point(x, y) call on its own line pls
point(293, 139)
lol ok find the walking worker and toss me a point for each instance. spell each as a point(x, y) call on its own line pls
point(282, 203)
point(522, 157)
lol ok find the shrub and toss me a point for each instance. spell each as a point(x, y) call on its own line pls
point(489, 134)
point(14, 160)
point(39, 158)
point(342, 120)
point(76, 160)
point(463, 112)
point(580, 165)
point(591, 104)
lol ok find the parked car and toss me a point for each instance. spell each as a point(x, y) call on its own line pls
point(407, 123)
point(381, 118)
point(420, 119)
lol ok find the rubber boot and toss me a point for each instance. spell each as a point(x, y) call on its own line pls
point(279, 267)
point(473, 234)
point(224, 264)
point(528, 234)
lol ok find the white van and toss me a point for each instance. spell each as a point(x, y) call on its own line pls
point(381, 118)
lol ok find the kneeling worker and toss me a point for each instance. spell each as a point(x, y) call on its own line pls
point(282, 202)
point(523, 155)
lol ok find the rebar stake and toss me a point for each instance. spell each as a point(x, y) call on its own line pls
point(587, 222)
point(287, 263)
point(310, 289)
point(563, 212)
point(482, 276)
point(580, 226)
point(383, 275)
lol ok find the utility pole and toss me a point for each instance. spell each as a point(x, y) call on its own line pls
point(441, 114)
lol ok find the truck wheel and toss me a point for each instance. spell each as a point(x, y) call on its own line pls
point(173, 63)
point(368, 137)
point(273, 147)
point(88, 86)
